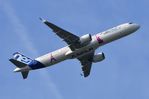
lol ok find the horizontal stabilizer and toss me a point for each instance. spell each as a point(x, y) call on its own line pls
point(24, 74)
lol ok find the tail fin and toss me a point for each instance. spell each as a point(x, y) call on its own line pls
point(21, 58)
point(21, 62)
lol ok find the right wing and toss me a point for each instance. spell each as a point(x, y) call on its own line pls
point(69, 38)
point(86, 62)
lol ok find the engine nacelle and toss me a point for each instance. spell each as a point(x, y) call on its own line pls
point(85, 39)
point(98, 57)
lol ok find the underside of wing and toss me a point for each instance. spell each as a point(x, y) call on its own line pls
point(69, 38)
point(86, 62)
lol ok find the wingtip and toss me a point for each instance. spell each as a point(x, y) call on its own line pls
point(43, 20)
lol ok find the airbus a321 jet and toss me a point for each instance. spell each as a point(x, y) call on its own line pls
point(82, 48)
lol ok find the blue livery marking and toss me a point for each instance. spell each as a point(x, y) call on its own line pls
point(21, 58)
point(34, 64)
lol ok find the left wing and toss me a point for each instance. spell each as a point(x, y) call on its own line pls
point(69, 38)
point(86, 62)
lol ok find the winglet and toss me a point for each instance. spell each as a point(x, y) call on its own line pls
point(43, 20)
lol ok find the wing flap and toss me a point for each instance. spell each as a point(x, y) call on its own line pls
point(86, 69)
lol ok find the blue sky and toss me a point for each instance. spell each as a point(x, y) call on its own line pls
point(124, 74)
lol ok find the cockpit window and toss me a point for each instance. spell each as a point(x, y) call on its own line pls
point(130, 23)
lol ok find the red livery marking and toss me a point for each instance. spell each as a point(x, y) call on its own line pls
point(99, 39)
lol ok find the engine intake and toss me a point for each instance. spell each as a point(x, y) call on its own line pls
point(85, 39)
point(98, 57)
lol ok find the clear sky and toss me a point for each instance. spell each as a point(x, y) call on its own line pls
point(124, 74)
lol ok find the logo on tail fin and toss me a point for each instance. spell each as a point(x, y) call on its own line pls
point(21, 58)
point(21, 63)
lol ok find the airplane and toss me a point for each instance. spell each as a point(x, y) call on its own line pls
point(82, 48)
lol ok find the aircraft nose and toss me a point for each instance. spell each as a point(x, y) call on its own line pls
point(136, 26)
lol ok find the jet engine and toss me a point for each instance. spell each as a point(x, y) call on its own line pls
point(85, 39)
point(98, 57)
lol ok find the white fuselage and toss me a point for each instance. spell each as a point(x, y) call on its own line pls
point(97, 41)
